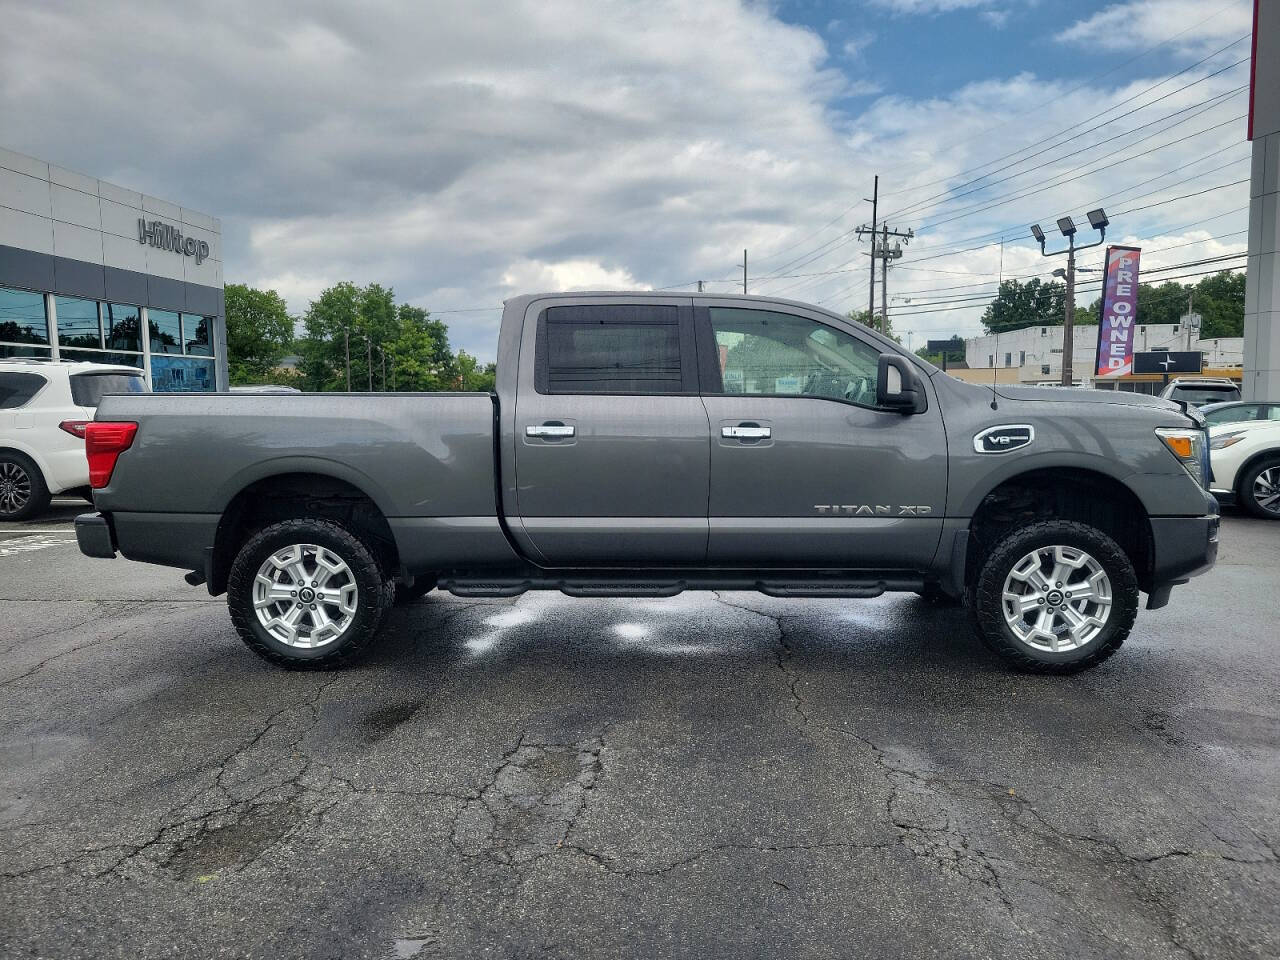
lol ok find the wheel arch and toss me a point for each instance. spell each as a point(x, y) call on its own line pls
point(1081, 494)
point(296, 495)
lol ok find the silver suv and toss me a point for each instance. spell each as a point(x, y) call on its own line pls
point(44, 406)
point(1198, 391)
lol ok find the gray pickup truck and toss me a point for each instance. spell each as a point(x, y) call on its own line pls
point(639, 445)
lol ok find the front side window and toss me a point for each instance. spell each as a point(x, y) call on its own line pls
point(624, 348)
point(764, 353)
point(24, 327)
point(17, 388)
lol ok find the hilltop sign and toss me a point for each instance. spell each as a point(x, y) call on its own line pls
point(166, 236)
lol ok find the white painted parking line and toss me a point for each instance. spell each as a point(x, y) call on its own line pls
point(30, 544)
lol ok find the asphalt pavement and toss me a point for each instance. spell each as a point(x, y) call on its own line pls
point(707, 776)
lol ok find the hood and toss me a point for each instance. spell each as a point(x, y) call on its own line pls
point(1075, 395)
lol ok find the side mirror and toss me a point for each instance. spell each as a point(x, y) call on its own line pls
point(898, 386)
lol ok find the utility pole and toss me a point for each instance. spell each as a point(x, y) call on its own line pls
point(744, 271)
point(699, 286)
point(346, 349)
point(368, 343)
point(875, 203)
point(881, 250)
point(1069, 321)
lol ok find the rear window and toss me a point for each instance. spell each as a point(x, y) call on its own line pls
point(87, 389)
point(17, 388)
point(1205, 394)
point(623, 348)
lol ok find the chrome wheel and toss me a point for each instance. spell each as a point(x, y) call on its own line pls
point(1056, 599)
point(15, 488)
point(1266, 490)
point(305, 595)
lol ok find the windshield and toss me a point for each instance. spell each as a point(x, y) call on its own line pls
point(87, 389)
point(1199, 395)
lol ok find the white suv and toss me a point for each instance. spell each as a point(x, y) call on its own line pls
point(44, 406)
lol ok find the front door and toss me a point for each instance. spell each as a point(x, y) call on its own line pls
point(612, 445)
point(805, 469)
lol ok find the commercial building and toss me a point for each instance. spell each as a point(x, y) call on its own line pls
point(87, 266)
point(1033, 355)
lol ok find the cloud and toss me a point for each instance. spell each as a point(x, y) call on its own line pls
point(1143, 23)
point(463, 153)
point(910, 7)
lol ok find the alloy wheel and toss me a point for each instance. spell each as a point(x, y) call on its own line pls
point(15, 488)
point(305, 595)
point(1266, 490)
point(1056, 599)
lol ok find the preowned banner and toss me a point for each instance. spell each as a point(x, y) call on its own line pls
point(1117, 323)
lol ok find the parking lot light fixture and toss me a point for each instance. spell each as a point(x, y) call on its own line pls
point(1098, 219)
point(1067, 226)
point(1038, 234)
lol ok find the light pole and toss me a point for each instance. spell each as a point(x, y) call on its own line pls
point(1098, 220)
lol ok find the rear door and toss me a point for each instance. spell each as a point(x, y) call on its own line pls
point(805, 469)
point(612, 443)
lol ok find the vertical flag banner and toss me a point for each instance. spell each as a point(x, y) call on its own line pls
point(1117, 323)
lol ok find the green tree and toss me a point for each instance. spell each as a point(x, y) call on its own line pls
point(259, 333)
point(1218, 298)
point(1031, 304)
point(472, 376)
point(867, 319)
point(332, 326)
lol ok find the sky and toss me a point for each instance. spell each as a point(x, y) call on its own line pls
point(463, 153)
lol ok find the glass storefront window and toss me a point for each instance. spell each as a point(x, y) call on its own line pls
point(23, 320)
point(181, 374)
point(166, 332)
point(195, 330)
point(121, 326)
point(102, 356)
point(77, 322)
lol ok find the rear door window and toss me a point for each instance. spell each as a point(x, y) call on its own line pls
point(17, 388)
point(87, 389)
point(615, 348)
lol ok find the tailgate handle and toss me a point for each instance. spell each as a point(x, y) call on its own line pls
point(549, 430)
point(746, 433)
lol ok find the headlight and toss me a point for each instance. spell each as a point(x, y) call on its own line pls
point(1224, 440)
point(1191, 450)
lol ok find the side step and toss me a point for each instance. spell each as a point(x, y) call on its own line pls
point(628, 584)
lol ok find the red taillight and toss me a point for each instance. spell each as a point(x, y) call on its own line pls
point(74, 427)
point(104, 440)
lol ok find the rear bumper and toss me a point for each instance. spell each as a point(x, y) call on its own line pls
point(95, 536)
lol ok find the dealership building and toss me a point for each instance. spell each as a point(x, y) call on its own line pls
point(86, 267)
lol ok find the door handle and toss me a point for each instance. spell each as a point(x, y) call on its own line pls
point(549, 430)
point(746, 433)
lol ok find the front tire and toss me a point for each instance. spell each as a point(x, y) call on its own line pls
point(307, 594)
point(1055, 597)
point(1260, 489)
point(23, 492)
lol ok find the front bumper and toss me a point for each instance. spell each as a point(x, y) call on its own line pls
point(95, 536)
point(1182, 548)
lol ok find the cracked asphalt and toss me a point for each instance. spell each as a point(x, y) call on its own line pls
point(706, 776)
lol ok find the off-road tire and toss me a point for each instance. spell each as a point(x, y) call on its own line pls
point(987, 609)
point(37, 500)
point(1244, 495)
point(374, 592)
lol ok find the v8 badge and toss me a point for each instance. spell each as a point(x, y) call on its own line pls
point(1004, 439)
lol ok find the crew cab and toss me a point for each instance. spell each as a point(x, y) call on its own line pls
point(639, 444)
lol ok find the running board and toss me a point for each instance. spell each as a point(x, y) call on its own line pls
point(869, 584)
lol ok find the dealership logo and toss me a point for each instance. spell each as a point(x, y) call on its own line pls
point(168, 237)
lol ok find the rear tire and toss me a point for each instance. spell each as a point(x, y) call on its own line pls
point(1259, 486)
point(1023, 603)
point(307, 594)
point(23, 492)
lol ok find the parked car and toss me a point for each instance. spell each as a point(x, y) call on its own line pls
point(1198, 391)
point(264, 388)
point(44, 406)
point(639, 445)
point(1239, 411)
point(1245, 461)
